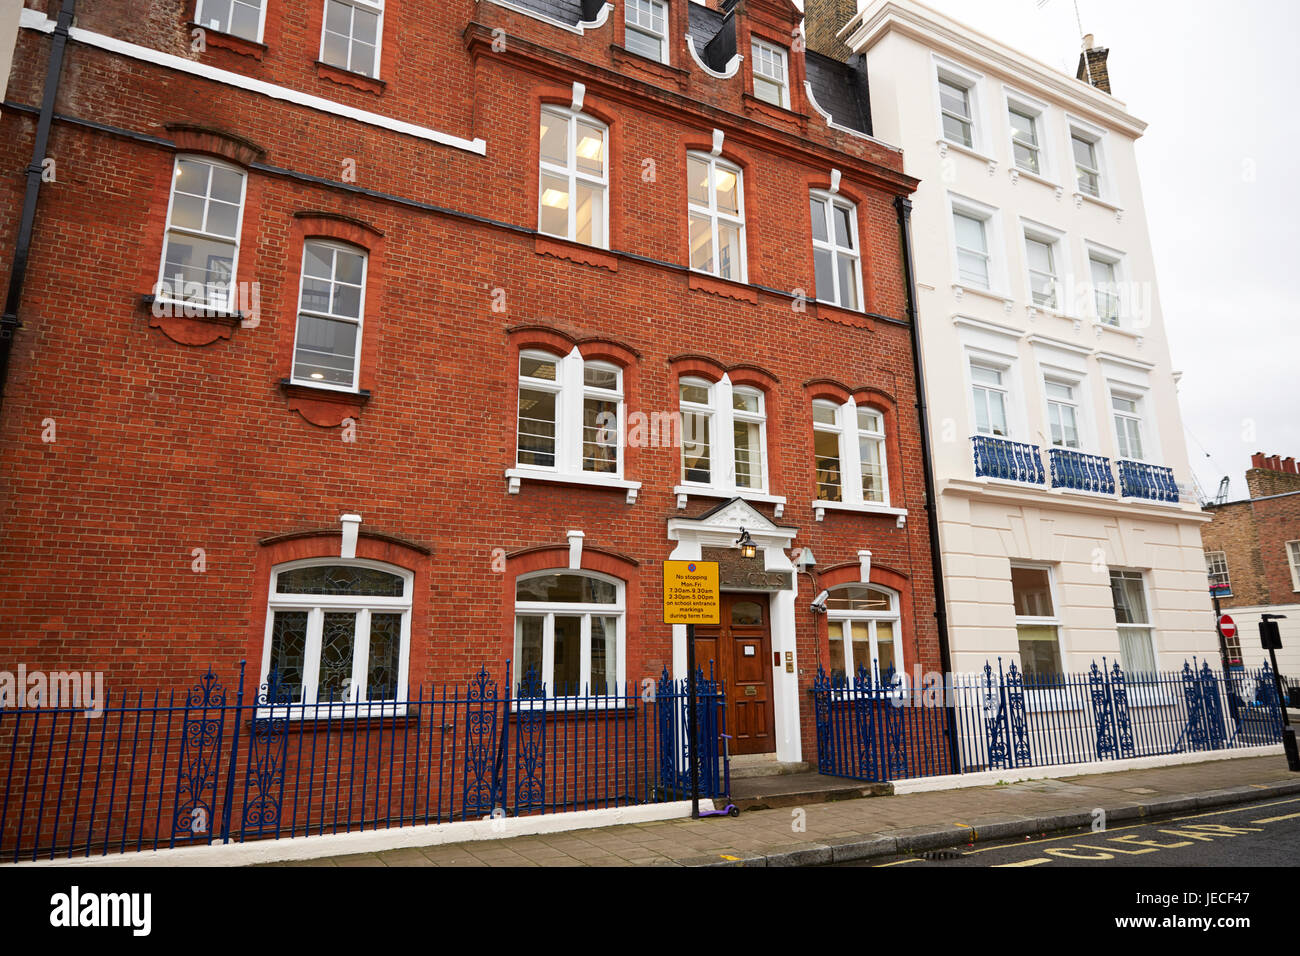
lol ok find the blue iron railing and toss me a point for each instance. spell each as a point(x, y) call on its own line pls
point(1137, 479)
point(1003, 719)
point(1079, 472)
point(866, 730)
point(200, 768)
point(1009, 460)
point(1006, 719)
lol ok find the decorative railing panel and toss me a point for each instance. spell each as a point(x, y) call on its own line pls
point(200, 767)
point(1079, 472)
point(1008, 460)
point(1137, 479)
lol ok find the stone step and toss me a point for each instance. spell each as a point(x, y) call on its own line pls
point(800, 789)
point(762, 765)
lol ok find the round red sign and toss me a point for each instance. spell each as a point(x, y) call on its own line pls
point(1227, 626)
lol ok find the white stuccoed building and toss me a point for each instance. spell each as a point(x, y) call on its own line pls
point(1070, 531)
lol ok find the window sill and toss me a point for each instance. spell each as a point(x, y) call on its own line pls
point(1080, 198)
point(575, 252)
point(516, 476)
point(947, 144)
point(752, 104)
point(163, 308)
point(684, 492)
point(621, 55)
point(560, 706)
point(313, 715)
point(821, 507)
point(830, 312)
point(728, 288)
point(228, 41)
point(358, 81)
point(323, 407)
point(1018, 173)
point(960, 289)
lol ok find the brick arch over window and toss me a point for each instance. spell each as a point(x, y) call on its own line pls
point(321, 407)
point(606, 112)
point(840, 575)
point(556, 558)
point(827, 390)
point(327, 543)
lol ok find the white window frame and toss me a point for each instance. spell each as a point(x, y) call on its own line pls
point(722, 416)
point(548, 611)
point(261, 19)
point(1004, 371)
point(359, 321)
point(1148, 627)
point(571, 392)
point(1293, 559)
point(1138, 416)
point(828, 203)
point(1097, 138)
point(164, 281)
point(572, 174)
point(763, 53)
point(316, 606)
point(1040, 114)
point(1054, 240)
point(1054, 620)
point(1115, 260)
point(850, 449)
point(968, 84)
point(1074, 403)
point(369, 6)
point(996, 263)
point(715, 216)
point(872, 618)
point(1212, 560)
point(632, 24)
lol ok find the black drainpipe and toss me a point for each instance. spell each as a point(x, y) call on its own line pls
point(904, 207)
point(9, 324)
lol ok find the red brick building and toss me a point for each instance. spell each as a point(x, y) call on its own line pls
point(375, 343)
point(1253, 546)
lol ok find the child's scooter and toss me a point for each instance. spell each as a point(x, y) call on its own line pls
point(730, 810)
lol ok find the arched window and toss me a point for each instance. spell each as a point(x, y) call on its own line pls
point(338, 631)
point(574, 177)
point(864, 631)
point(571, 414)
point(331, 314)
point(717, 216)
point(569, 634)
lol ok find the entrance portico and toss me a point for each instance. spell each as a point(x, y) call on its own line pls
point(770, 577)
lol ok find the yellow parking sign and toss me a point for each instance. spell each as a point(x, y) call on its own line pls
point(691, 592)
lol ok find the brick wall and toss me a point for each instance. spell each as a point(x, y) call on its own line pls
point(175, 434)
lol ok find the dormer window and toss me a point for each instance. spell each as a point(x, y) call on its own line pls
point(646, 28)
point(770, 75)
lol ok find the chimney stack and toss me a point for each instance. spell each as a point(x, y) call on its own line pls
point(1092, 64)
point(823, 19)
point(1272, 475)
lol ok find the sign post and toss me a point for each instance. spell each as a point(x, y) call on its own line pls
point(691, 597)
point(1270, 638)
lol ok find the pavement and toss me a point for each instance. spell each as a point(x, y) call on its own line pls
point(849, 827)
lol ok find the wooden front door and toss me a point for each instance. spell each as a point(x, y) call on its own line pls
point(741, 651)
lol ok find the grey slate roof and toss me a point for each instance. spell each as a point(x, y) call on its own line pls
point(841, 89)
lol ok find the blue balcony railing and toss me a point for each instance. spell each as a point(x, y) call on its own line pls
point(1079, 472)
point(1009, 460)
point(1137, 479)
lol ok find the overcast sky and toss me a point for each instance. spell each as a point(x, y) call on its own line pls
point(1217, 83)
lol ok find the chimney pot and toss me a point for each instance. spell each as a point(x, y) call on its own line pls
point(1275, 463)
point(1288, 465)
point(1257, 460)
point(1090, 42)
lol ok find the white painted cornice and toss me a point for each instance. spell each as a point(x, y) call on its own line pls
point(944, 35)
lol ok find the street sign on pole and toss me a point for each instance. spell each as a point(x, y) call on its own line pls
point(691, 597)
point(1228, 627)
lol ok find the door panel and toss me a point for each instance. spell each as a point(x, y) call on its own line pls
point(740, 650)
